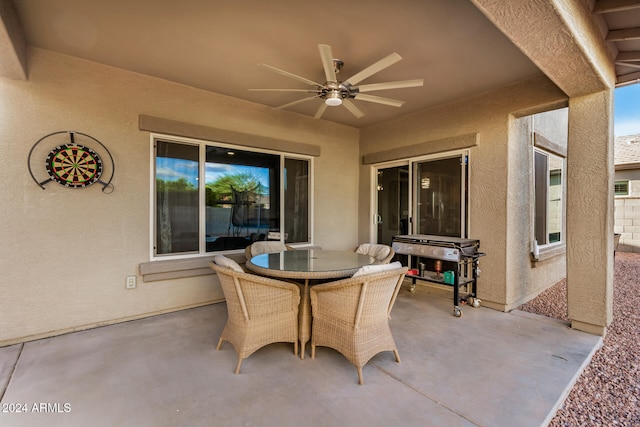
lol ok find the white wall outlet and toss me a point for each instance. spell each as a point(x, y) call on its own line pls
point(130, 283)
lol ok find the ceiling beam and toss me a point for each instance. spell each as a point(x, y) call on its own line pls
point(626, 79)
point(624, 34)
point(629, 56)
point(628, 64)
point(608, 6)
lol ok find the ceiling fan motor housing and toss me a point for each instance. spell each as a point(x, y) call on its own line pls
point(334, 92)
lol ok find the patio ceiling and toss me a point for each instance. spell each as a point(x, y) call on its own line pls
point(622, 20)
point(216, 45)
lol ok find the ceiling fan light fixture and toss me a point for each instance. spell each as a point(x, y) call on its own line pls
point(333, 99)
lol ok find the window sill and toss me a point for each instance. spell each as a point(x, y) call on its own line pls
point(548, 252)
point(181, 268)
point(154, 271)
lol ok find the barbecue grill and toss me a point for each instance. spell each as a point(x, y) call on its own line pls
point(445, 260)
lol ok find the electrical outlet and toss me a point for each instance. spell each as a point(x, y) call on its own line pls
point(130, 283)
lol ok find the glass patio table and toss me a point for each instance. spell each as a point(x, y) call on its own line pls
point(305, 265)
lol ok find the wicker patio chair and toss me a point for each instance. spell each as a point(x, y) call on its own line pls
point(261, 310)
point(382, 253)
point(352, 315)
point(265, 247)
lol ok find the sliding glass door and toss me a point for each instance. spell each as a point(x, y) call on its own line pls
point(392, 189)
point(422, 196)
point(439, 197)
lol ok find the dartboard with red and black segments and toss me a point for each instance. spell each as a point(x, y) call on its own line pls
point(74, 165)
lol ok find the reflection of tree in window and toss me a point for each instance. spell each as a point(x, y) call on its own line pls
point(240, 199)
point(220, 191)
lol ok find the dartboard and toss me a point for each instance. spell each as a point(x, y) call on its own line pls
point(74, 165)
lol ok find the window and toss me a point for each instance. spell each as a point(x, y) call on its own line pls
point(440, 196)
point(621, 188)
point(424, 195)
point(246, 196)
point(549, 189)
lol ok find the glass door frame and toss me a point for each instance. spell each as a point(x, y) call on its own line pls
point(374, 216)
point(465, 193)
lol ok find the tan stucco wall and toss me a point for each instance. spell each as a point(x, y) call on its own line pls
point(528, 277)
point(590, 219)
point(497, 211)
point(65, 253)
point(568, 47)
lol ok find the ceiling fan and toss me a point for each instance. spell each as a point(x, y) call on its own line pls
point(335, 92)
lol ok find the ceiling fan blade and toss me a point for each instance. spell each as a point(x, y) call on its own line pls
point(296, 102)
point(352, 108)
point(391, 85)
point(320, 111)
point(326, 55)
point(379, 100)
point(291, 75)
point(282, 90)
point(372, 69)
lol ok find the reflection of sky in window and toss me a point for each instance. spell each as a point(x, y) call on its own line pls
point(170, 169)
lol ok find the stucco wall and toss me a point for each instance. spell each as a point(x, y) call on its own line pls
point(527, 277)
point(65, 253)
point(497, 210)
point(590, 219)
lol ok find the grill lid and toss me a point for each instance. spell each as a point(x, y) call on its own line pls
point(437, 247)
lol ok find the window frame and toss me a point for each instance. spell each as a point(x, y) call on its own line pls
point(548, 246)
point(410, 162)
point(618, 182)
point(202, 144)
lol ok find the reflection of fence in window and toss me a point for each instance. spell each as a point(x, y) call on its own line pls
point(247, 213)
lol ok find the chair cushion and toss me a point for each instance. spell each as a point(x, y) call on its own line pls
point(267, 247)
point(375, 250)
point(376, 268)
point(223, 261)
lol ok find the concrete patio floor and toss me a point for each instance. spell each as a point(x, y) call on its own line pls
point(486, 368)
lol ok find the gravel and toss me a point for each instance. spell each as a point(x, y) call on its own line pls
point(608, 391)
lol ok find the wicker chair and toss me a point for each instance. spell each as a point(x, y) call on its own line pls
point(382, 253)
point(261, 310)
point(352, 315)
point(265, 247)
